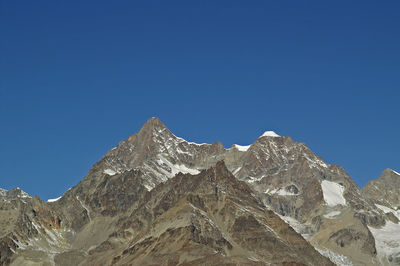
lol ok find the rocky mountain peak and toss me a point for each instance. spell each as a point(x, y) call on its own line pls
point(389, 178)
point(152, 126)
point(13, 194)
point(385, 190)
point(390, 174)
point(157, 196)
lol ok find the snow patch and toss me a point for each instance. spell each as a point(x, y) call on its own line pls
point(279, 191)
point(314, 163)
point(176, 168)
point(387, 238)
point(237, 170)
point(23, 194)
point(253, 258)
point(297, 226)
point(336, 258)
point(53, 200)
point(241, 148)
point(387, 209)
point(109, 172)
point(252, 179)
point(332, 214)
point(148, 187)
point(333, 193)
point(269, 134)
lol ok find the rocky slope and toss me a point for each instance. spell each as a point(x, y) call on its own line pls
point(385, 193)
point(158, 199)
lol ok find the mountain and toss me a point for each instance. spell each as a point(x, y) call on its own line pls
point(385, 189)
point(385, 193)
point(159, 199)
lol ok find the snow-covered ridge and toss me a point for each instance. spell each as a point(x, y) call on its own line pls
point(333, 193)
point(53, 200)
point(159, 132)
point(395, 172)
point(241, 148)
point(269, 134)
point(189, 142)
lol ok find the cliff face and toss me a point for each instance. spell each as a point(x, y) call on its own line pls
point(385, 193)
point(385, 190)
point(158, 199)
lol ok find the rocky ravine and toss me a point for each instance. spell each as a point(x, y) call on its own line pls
point(158, 199)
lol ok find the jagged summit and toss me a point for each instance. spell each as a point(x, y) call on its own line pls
point(157, 198)
point(14, 193)
point(389, 175)
point(385, 189)
point(153, 127)
point(392, 171)
point(152, 123)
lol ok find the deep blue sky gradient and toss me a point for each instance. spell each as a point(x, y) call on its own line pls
point(77, 77)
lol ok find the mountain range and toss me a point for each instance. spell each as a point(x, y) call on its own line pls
point(157, 199)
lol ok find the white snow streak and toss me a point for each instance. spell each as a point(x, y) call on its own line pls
point(279, 191)
point(332, 214)
point(87, 210)
point(297, 226)
point(395, 172)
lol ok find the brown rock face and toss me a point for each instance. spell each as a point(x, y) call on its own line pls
point(385, 190)
point(156, 199)
point(210, 218)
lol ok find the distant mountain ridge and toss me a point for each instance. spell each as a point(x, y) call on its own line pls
point(155, 188)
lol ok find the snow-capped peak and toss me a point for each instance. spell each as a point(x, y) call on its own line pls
point(269, 134)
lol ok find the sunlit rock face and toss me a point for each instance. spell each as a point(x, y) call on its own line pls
point(158, 199)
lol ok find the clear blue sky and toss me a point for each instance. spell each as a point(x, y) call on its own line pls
point(77, 77)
